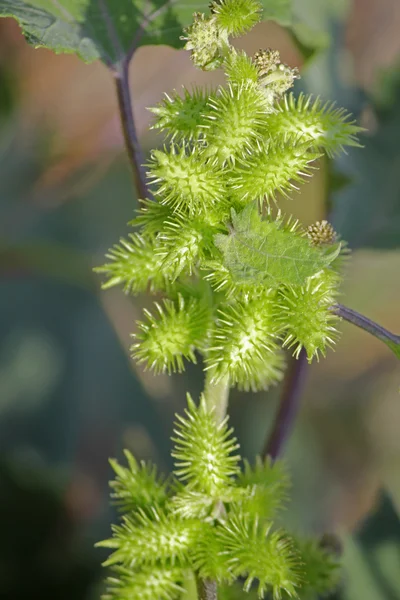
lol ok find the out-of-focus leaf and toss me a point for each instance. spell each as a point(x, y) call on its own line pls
point(367, 213)
point(109, 29)
point(308, 40)
point(387, 89)
point(372, 558)
point(98, 29)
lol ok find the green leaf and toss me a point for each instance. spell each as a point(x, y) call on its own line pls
point(267, 252)
point(367, 212)
point(98, 29)
point(371, 556)
point(110, 29)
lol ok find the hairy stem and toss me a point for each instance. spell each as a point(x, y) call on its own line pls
point(216, 395)
point(350, 315)
point(207, 589)
point(288, 407)
point(121, 76)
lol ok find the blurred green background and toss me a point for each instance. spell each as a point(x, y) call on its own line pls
point(71, 397)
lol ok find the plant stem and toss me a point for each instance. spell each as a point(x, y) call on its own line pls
point(207, 589)
point(288, 406)
point(121, 76)
point(350, 315)
point(294, 379)
point(216, 395)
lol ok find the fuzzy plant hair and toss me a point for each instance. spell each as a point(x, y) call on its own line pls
point(237, 282)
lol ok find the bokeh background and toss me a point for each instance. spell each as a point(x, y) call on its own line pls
point(71, 397)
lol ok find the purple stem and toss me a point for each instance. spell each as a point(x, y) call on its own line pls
point(348, 314)
point(288, 407)
point(121, 76)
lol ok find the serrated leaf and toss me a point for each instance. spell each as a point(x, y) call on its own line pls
point(109, 29)
point(98, 29)
point(264, 252)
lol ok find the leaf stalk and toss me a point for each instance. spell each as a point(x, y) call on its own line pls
point(121, 77)
point(387, 337)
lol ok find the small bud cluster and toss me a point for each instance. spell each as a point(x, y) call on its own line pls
point(273, 74)
point(321, 233)
point(206, 41)
point(266, 61)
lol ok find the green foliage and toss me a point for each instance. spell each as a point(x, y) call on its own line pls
point(203, 453)
point(327, 127)
point(320, 568)
point(273, 168)
point(265, 281)
point(244, 345)
point(186, 180)
point(181, 117)
point(268, 253)
point(254, 551)
point(264, 488)
point(147, 584)
point(310, 324)
point(137, 486)
point(207, 42)
point(183, 244)
point(367, 211)
point(135, 266)
point(111, 29)
point(236, 16)
point(240, 68)
point(151, 539)
point(92, 30)
point(235, 122)
point(214, 521)
point(178, 329)
point(239, 282)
